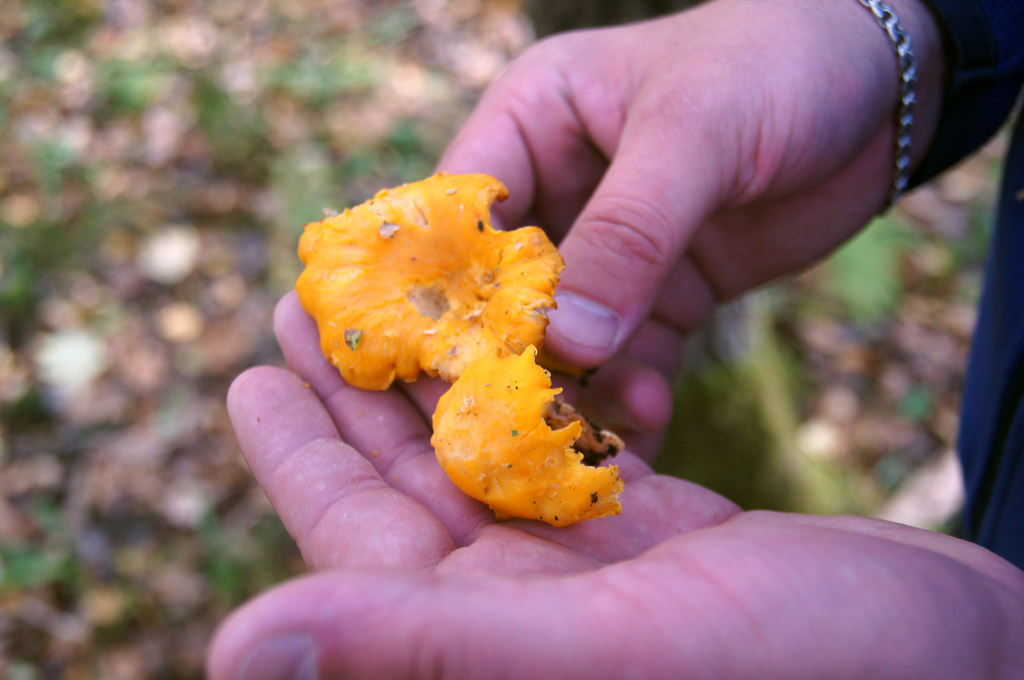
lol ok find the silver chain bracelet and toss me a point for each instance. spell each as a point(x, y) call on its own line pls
point(900, 41)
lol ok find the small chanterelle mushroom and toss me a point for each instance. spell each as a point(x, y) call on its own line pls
point(416, 280)
point(493, 435)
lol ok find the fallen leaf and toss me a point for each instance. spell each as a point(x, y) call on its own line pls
point(179, 322)
point(67, 361)
point(169, 255)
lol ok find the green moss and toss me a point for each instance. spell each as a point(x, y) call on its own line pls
point(734, 431)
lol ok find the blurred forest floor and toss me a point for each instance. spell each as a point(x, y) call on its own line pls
point(157, 163)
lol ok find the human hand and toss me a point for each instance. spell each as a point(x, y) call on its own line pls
point(417, 580)
point(685, 160)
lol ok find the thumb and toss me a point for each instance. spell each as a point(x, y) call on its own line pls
point(628, 237)
point(403, 625)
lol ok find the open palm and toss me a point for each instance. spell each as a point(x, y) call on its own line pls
point(417, 580)
point(355, 480)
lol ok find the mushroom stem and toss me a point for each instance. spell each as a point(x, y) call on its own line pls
point(594, 442)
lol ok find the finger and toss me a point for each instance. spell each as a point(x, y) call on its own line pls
point(331, 500)
point(491, 142)
point(658, 346)
point(407, 626)
point(686, 298)
point(384, 426)
point(739, 249)
point(382, 422)
point(424, 393)
point(626, 241)
point(628, 395)
point(526, 132)
point(632, 393)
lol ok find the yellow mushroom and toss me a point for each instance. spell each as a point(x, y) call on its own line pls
point(493, 436)
point(416, 279)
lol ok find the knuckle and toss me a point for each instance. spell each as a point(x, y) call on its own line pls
point(557, 48)
point(529, 86)
point(632, 229)
point(539, 58)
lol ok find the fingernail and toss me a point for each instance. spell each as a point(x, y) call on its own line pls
point(285, 657)
point(584, 322)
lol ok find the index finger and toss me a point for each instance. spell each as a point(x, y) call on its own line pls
point(331, 499)
point(528, 132)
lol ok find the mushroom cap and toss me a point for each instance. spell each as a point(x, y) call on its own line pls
point(491, 438)
point(416, 279)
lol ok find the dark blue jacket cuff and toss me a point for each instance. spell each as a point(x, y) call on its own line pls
point(985, 72)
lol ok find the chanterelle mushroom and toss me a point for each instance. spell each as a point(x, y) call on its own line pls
point(493, 435)
point(417, 280)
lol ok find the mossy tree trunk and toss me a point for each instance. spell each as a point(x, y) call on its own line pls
point(735, 423)
point(566, 15)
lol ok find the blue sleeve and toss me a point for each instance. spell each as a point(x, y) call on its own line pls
point(991, 440)
point(985, 71)
point(986, 68)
